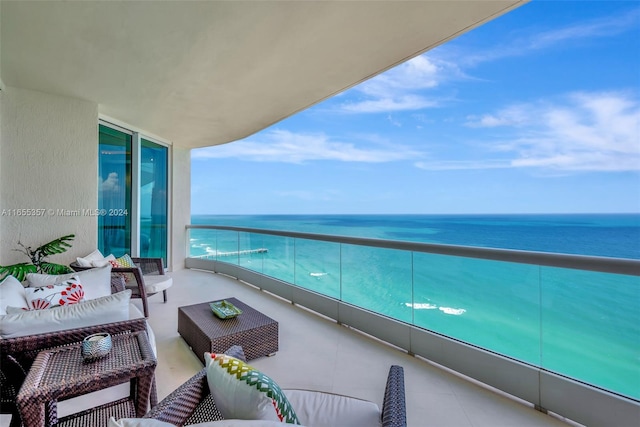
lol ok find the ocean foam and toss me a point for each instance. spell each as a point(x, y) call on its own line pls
point(454, 311)
point(427, 306)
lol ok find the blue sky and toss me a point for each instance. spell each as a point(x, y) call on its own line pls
point(537, 111)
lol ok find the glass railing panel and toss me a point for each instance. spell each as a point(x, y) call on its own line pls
point(591, 328)
point(251, 251)
point(377, 279)
point(202, 243)
point(278, 261)
point(491, 304)
point(227, 246)
point(318, 266)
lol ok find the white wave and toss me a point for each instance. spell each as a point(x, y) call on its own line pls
point(421, 306)
point(318, 274)
point(454, 311)
point(428, 306)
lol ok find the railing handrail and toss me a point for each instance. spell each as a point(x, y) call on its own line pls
point(578, 262)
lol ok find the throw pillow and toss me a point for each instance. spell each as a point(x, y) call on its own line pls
point(11, 294)
point(125, 261)
point(96, 282)
point(112, 308)
point(87, 260)
point(66, 293)
point(242, 392)
point(108, 260)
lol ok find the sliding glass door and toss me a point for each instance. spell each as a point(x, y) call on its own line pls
point(154, 164)
point(114, 192)
point(133, 195)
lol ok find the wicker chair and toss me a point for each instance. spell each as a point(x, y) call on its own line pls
point(192, 403)
point(144, 280)
point(17, 355)
point(8, 393)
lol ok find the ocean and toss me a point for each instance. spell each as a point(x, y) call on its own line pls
point(581, 324)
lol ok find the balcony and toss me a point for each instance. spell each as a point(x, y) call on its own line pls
point(318, 353)
point(526, 333)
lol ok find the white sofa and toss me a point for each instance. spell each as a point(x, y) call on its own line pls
point(23, 333)
point(100, 305)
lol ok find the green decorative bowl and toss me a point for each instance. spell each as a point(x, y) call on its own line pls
point(224, 309)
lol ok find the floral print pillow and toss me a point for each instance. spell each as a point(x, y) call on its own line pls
point(64, 293)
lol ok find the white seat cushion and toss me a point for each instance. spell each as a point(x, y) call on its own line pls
point(154, 283)
point(319, 409)
point(112, 308)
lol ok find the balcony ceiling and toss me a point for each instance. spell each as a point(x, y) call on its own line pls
point(208, 72)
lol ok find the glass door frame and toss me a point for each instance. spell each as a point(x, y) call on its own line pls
point(136, 146)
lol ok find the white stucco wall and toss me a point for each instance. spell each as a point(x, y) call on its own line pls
point(49, 161)
point(1, 84)
point(181, 204)
point(1, 201)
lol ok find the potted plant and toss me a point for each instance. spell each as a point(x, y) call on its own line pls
point(38, 259)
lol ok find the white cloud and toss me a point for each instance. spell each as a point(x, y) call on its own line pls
point(398, 89)
point(522, 45)
point(444, 165)
point(111, 184)
point(602, 27)
point(289, 147)
point(580, 132)
point(417, 73)
point(516, 115)
point(410, 86)
point(397, 103)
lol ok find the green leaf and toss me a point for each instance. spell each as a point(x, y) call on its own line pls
point(19, 271)
point(51, 268)
point(57, 246)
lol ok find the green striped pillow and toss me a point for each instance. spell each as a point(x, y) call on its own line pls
point(242, 392)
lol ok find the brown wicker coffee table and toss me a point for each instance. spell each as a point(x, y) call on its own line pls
point(61, 373)
point(204, 332)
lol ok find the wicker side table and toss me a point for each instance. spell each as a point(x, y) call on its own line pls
point(256, 333)
point(61, 373)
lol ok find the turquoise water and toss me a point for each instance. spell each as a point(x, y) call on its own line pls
point(582, 324)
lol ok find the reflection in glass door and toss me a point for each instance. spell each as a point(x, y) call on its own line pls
point(153, 200)
point(114, 192)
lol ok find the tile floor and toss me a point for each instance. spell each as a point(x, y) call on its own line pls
point(316, 353)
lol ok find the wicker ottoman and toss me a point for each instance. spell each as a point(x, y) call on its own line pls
point(204, 332)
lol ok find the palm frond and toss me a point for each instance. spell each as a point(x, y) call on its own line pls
point(52, 268)
point(19, 271)
point(56, 246)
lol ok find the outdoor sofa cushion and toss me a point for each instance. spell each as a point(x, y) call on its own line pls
point(96, 282)
point(154, 283)
point(112, 308)
point(319, 409)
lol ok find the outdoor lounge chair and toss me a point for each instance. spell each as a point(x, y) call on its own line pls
point(145, 279)
point(192, 403)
